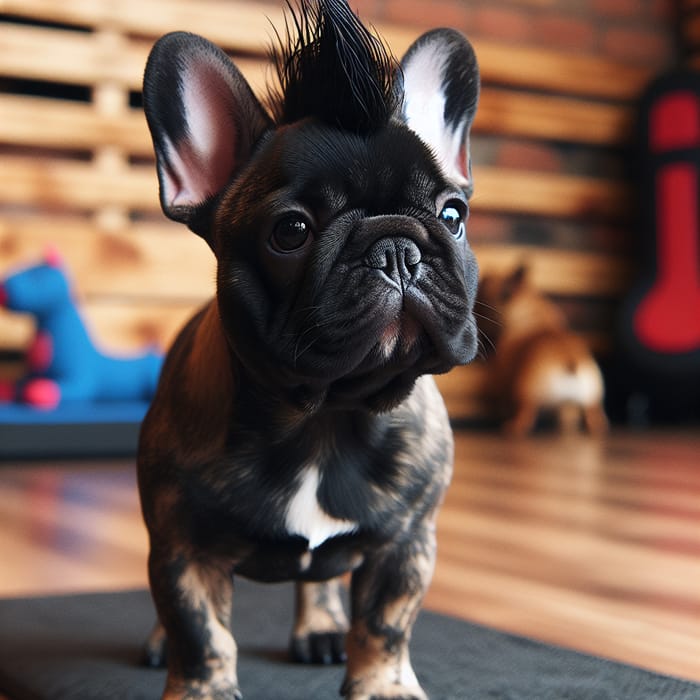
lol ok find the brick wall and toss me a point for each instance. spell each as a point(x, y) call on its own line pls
point(637, 31)
point(631, 32)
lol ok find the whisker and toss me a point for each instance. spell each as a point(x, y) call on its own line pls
point(488, 318)
point(486, 343)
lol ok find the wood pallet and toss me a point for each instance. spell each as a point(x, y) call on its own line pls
point(76, 167)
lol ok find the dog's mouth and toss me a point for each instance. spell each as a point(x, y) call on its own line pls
point(403, 352)
point(372, 354)
point(380, 375)
point(399, 338)
point(385, 376)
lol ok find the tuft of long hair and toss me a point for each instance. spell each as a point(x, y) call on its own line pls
point(330, 67)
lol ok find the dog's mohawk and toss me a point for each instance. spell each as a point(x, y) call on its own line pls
point(330, 67)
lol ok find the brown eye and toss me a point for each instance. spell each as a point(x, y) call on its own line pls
point(290, 234)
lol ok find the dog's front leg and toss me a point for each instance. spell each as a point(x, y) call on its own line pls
point(320, 623)
point(387, 591)
point(194, 601)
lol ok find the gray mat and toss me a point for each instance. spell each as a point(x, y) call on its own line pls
point(87, 647)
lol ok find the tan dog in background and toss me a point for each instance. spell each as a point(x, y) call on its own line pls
point(538, 364)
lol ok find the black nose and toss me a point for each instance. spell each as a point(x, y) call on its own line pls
point(398, 258)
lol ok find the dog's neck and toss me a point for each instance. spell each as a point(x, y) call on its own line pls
point(296, 414)
point(216, 373)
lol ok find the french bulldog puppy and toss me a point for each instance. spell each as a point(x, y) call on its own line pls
point(538, 365)
point(296, 432)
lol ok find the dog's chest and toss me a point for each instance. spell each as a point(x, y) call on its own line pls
point(309, 542)
point(305, 516)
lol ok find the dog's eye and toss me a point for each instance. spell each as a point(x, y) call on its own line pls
point(290, 234)
point(453, 215)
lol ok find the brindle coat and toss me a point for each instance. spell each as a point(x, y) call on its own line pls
point(295, 433)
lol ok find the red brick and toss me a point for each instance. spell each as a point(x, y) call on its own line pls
point(487, 228)
point(565, 32)
point(529, 156)
point(632, 9)
point(639, 45)
point(540, 4)
point(502, 23)
point(368, 10)
point(663, 10)
point(425, 14)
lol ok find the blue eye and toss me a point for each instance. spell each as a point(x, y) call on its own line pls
point(453, 215)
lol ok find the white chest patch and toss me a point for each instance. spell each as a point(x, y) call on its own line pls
point(305, 516)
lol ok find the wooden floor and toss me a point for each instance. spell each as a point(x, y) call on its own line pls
point(589, 544)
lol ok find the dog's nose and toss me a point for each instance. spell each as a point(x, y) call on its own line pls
point(398, 258)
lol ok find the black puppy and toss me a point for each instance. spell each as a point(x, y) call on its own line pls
point(295, 433)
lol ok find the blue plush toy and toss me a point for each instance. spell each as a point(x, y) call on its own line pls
point(63, 363)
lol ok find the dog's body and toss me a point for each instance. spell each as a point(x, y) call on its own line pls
point(294, 434)
point(539, 364)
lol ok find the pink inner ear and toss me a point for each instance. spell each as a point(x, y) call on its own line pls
point(465, 167)
point(203, 162)
point(463, 162)
point(52, 257)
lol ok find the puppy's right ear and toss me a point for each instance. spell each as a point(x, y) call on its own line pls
point(204, 120)
point(515, 281)
point(441, 92)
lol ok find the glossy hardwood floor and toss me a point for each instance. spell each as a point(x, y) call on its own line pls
point(591, 544)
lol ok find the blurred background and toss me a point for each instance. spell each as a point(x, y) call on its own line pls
point(554, 156)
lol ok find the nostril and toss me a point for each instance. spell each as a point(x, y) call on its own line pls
point(411, 253)
point(381, 255)
point(397, 258)
point(393, 252)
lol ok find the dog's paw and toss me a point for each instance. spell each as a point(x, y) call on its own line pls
point(197, 691)
point(358, 690)
point(154, 657)
point(155, 650)
point(398, 694)
point(318, 648)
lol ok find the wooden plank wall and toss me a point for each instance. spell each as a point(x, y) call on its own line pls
point(76, 168)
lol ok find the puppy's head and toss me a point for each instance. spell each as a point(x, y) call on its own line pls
point(339, 222)
point(509, 302)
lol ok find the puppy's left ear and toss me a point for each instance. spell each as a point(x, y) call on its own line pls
point(441, 92)
point(205, 122)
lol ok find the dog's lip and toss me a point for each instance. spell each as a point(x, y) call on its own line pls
point(410, 347)
point(364, 384)
point(399, 336)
